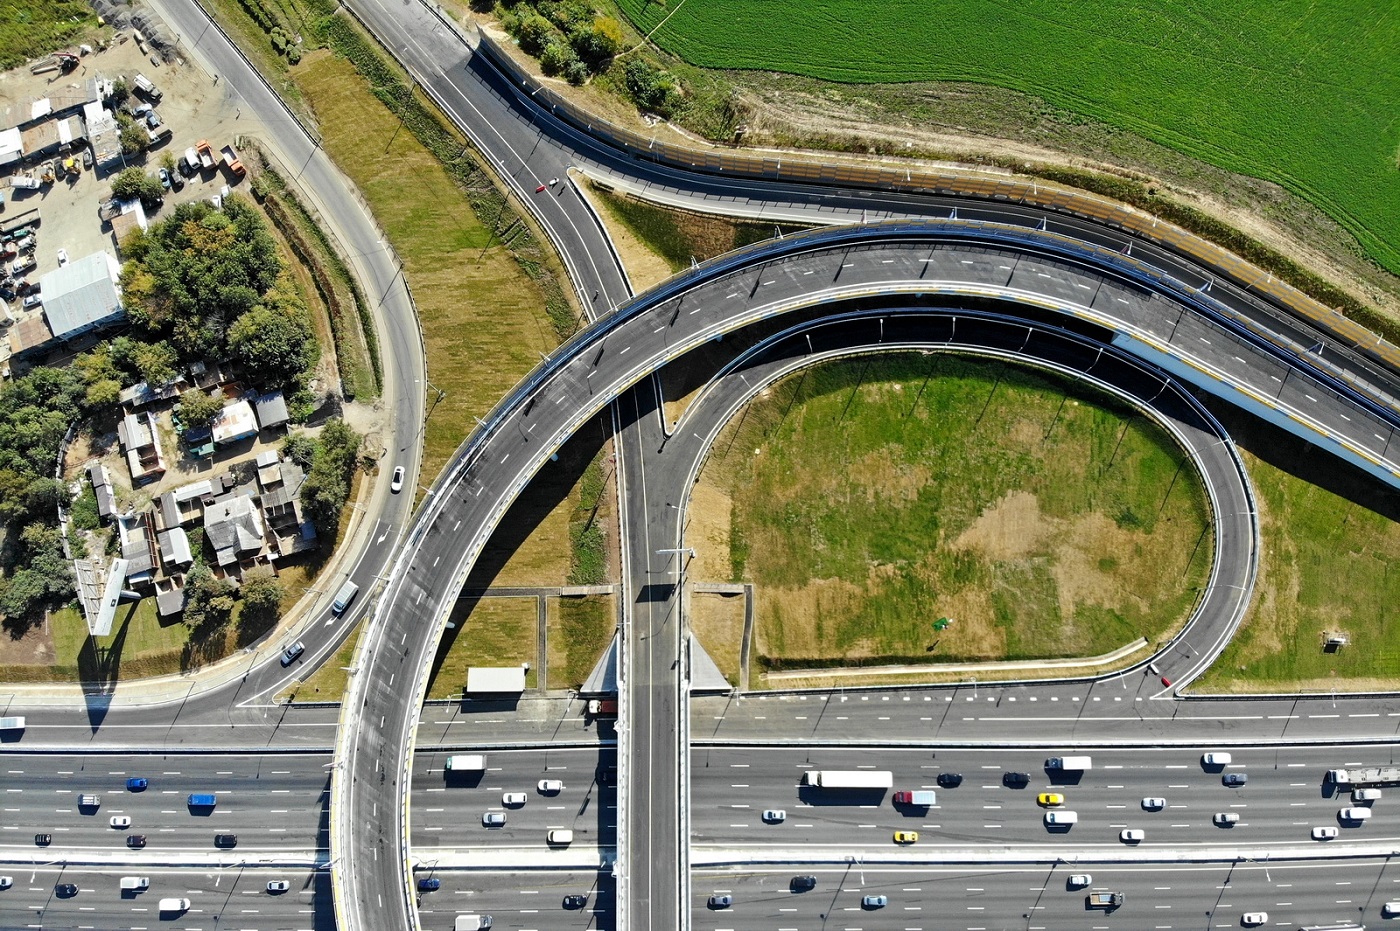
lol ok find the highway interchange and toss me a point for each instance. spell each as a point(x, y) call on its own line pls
point(766, 740)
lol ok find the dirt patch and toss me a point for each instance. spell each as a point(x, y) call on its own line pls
point(883, 474)
point(707, 527)
point(33, 647)
point(1010, 529)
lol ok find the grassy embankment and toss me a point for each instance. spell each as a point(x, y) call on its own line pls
point(1331, 540)
point(34, 28)
point(868, 498)
point(488, 297)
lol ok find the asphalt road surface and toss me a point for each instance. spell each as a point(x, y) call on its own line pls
point(1284, 799)
point(229, 898)
point(1040, 897)
point(274, 803)
point(525, 900)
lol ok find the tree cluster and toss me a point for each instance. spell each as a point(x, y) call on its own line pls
point(211, 282)
point(327, 485)
point(35, 412)
point(569, 37)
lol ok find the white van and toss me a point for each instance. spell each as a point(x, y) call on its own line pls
point(472, 923)
point(89, 801)
point(559, 837)
point(1215, 759)
point(136, 882)
point(1055, 819)
point(1365, 795)
point(347, 594)
point(174, 905)
point(13, 723)
point(1354, 814)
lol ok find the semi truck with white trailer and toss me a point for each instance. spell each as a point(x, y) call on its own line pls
point(1070, 763)
point(1365, 776)
point(849, 778)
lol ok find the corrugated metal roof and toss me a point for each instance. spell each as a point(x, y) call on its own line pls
point(81, 294)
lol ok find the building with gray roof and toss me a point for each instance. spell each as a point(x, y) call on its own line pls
point(82, 296)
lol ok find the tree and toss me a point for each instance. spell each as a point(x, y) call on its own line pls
point(21, 593)
point(208, 601)
point(198, 408)
point(273, 347)
point(167, 160)
point(535, 31)
point(261, 595)
point(132, 135)
point(299, 448)
point(156, 362)
point(133, 183)
point(597, 43)
point(120, 93)
point(103, 393)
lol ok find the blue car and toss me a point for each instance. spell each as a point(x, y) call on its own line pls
point(136, 784)
point(429, 885)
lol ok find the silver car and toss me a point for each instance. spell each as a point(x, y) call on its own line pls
point(494, 819)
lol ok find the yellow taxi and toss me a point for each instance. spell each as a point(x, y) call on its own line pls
point(1049, 799)
point(906, 837)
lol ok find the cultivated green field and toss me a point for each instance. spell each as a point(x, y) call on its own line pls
point(869, 498)
point(1300, 92)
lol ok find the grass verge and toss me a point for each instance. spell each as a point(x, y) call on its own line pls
point(489, 632)
point(579, 630)
point(868, 498)
point(34, 28)
point(1331, 539)
point(344, 308)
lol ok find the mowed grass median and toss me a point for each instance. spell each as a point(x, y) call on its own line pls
point(868, 498)
point(1295, 92)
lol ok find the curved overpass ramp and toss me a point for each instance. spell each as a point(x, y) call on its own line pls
point(1150, 314)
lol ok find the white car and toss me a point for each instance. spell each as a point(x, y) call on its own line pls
point(6, 882)
point(1215, 759)
point(1224, 818)
point(550, 786)
point(493, 819)
point(1153, 804)
point(120, 822)
point(1388, 910)
point(62, 257)
point(1251, 919)
point(1080, 880)
point(1365, 795)
point(396, 484)
point(1060, 818)
point(512, 799)
point(1132, 835)
point(1325, 833)
point(278, 885)
point(775, 816)
point(1354, 814)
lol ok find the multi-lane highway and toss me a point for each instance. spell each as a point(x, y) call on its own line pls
point(1041, 897)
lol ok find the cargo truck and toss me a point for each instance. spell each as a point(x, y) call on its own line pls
point(136, 883)
point(603, 706)
point(13, 723)
point(919, 799)
point(232, 161)
point(202, 800)
point(174, 905)
point(472, 923)
point(465, 763)
point(1104, 899)
point(849, 779)
point(1070, 763)
point(205, 153)
point(1366, 776)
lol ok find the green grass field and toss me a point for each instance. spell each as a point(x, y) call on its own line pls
point(869, 499)
point(30, 29)
point(1299, 92)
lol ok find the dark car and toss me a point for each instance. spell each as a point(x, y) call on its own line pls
point(575, 901)
point(803, 883)
point(1234, 779)
point(43, 840)
point(950, 780)
point(429, 885)
point(177, 182)
point(290, 654)
point(153, 119)
point(136, 784)
point(225, 840)
point(1016, 780)
point(65, 890)
point(136, 841)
